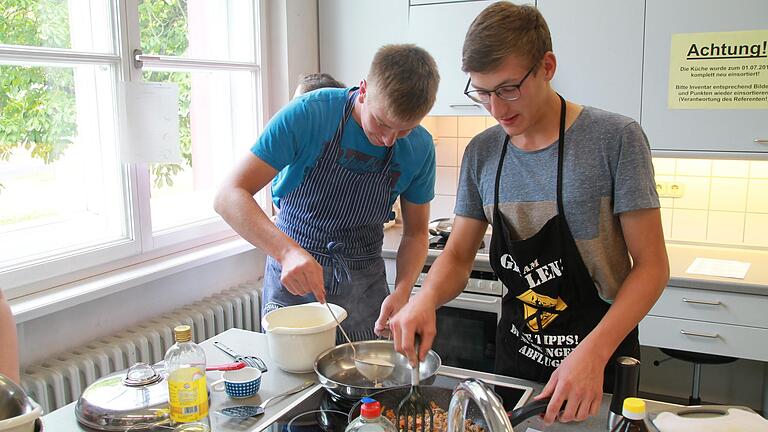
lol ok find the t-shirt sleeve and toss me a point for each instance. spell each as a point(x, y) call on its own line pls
point(634, 183)
point(280, 144)
point(422, 188)
point(469, 201)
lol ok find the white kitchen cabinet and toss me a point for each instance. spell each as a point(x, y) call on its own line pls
point(599, 49)
point(351, 31)
point(440, 29)
point(712, 322)
point(699, 130)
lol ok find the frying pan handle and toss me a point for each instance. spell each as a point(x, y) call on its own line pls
point(528, 410)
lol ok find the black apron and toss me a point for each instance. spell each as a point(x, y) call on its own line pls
point(552, 303)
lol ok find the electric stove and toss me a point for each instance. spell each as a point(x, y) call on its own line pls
point(324, 412)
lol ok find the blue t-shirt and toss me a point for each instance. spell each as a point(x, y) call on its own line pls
point(295, 137)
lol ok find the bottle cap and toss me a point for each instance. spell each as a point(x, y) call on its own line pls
point(370, 409)
point(182, 333)
point(634, 408)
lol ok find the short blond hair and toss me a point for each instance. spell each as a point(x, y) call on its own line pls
point(405, 77)
point(504, 29)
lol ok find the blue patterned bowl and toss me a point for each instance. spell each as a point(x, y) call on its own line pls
point(241, 383)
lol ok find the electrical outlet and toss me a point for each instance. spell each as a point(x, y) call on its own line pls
point(675, 190)
point(670, 189)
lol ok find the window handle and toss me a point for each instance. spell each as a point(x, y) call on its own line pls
point(704, 335)
point(703, 302)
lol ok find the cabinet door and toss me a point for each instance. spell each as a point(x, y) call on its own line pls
point(440, 29)
point(704, 130)
point(599, 49)
point(351, 31)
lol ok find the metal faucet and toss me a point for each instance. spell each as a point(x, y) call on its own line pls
point(490, 406)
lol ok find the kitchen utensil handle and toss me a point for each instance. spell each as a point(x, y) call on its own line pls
point(338, 323)
point(706, 335)
point(415, 381)
point(226, 349)
point(226, 367)
point(528, 410)
point(703, 302)
point(296, 389)
point(260, 364)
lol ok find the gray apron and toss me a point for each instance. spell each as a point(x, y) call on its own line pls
point(337, 215)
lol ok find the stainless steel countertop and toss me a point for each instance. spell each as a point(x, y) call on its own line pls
point(276, 381)
point(680, 258)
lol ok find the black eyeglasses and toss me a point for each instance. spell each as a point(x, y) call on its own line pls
point(507, 92)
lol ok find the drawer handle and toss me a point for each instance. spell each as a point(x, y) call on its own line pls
point(761, 141)
point(703, 302)
point(705, 335)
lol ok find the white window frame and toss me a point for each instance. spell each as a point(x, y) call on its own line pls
point(141, 244)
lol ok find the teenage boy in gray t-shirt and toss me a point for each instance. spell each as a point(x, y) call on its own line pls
point(577, 237)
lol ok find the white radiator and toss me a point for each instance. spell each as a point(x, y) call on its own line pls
point(60, 380)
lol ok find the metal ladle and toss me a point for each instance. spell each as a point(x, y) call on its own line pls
point(373, 369)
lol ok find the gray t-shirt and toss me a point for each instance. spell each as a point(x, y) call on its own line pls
point(607, 170)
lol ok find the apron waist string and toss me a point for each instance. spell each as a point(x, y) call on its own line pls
point(340, 262)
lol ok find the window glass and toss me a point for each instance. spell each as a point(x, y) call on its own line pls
point(60, 180)
point(217, 114)
point(200, 29)
point(80, 25)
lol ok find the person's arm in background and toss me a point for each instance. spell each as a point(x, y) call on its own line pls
point(301, 273)
point(9, 348)
point(278, 146)
point(446, 279)
point(411, 255)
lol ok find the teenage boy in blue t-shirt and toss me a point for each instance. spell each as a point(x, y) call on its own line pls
point(337, 160)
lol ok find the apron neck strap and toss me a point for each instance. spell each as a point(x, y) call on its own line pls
point(560, 145)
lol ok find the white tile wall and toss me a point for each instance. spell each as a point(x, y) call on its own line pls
point(445, 152)
point(445, 183)
point(723, 201)
point(729, 194)
point(689, 225)
point(758, 196)
point(725, 227)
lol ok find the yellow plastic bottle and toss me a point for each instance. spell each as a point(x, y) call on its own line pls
point(187, 390)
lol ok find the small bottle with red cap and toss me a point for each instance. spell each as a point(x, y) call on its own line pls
point(370, 419)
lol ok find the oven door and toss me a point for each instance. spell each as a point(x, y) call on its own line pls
point(466, 331)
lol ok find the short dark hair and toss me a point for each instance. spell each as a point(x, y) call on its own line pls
point(314, 81)
point(504, 29)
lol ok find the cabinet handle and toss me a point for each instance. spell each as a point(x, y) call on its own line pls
point(464, 106)
point(706, 335)
point(761, 141)
point(703, 302)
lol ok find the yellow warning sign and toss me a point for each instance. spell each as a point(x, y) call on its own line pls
point(725, 70)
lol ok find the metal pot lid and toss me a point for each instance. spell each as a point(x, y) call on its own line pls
point(125, 399)
point(140, 375)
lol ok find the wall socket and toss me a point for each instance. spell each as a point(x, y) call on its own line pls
point(670, 189)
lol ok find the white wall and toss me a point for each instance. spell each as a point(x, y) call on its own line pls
point(293, 44)
point(41, 337)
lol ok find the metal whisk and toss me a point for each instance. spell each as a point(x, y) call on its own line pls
point(414, 408)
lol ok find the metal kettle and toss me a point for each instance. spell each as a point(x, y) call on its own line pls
point(496, 417)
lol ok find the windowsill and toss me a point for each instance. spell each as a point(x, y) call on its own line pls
point(61, 297)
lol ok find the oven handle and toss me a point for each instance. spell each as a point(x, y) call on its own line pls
point(471, 300)
point(465, 299)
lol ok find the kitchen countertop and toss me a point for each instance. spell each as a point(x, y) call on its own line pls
point(680, 258)
point(275, 381)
